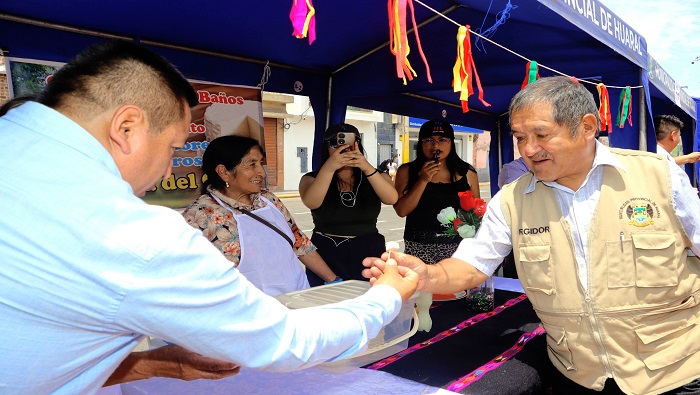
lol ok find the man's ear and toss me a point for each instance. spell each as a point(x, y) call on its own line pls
point(590, 126)
point(676, 136)
point(126, 125)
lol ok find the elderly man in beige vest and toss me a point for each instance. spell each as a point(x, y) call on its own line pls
point(611, 271)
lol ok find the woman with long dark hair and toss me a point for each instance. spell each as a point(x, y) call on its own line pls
point(429, 184)
point(345, 197)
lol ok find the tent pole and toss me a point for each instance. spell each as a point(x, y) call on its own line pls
point(643, 142)
point(329, 100)
point(500, 145)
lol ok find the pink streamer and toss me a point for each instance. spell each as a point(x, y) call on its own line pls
point(303, 19)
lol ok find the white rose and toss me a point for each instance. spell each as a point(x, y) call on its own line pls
point(466, 231)
point(446, 215)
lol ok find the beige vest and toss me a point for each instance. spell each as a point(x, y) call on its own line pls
point(639, 320)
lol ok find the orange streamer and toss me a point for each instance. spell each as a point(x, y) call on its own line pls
point(398, 40)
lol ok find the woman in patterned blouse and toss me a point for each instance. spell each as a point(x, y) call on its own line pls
point(266, 254)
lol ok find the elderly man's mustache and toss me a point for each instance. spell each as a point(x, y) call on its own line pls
point(540, 155)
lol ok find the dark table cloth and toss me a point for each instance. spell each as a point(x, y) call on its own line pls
point(499, 353)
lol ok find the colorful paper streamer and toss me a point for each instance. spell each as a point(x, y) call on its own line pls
point(624, 109)
point(303, 17)
point(604, 109)
point(398, 40)
point(464, 70)
point(532, 73)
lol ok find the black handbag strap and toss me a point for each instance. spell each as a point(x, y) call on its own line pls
point(256, 217)
point(269, 225)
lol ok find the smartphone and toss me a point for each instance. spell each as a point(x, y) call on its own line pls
point(345, 138)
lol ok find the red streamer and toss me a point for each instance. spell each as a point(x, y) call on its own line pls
point(604, 109)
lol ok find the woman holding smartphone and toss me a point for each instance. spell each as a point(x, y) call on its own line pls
point(345, 197)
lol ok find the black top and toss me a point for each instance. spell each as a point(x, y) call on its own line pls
point(334, 217)
point(384, 166)
point(435, 197)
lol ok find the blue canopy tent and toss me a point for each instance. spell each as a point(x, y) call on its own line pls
point(350, 63)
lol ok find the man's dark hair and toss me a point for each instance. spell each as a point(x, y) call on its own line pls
point(116, 73)
point(665, 124)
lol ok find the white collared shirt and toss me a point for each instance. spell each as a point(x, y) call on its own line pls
point(662, 151)
point(493, 241)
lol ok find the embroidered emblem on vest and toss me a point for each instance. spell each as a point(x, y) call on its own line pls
point(534, 231)
point(639, 211)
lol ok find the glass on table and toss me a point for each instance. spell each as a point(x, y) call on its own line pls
point(480, 298)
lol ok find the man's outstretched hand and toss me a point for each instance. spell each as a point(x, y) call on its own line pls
point(400, 278)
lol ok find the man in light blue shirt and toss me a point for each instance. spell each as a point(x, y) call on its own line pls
point(88, 268)
point(668, 136)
